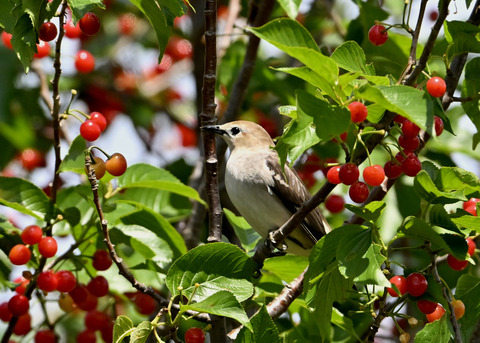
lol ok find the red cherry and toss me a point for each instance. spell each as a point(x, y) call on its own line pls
point(18, 305)
point(437, 314)
point(433, 15)
point(116, 164)
point(47, 281)
point(84, 299)
point(358, 111)
point(43, 50)
point(19, 255)
point(90, 130)
point(411, 166)
point(189, 136)
point(66, 281)
point(438, 125)
point(165, 64)
point(471, 206)
point(436, 86)
point(101, 260)
point(45, 336)
point(456, 264)
point(307, 178)
point(410, 129)
point(126, 23)
point(23, 325)
point(89, 24)
point(377, 35)
point(47, 32)
point(416, 284)
point(32, 234)
point(5, 313)
point(194, 335)
point(401, 283)
point(99, 119)
point(358, 192)
point(84, 62)
point(409, 143)
point(6, 38)
point(22, 287)
point(47, 247)
point(335, 203)
point(72, 31)
point(399, 119)
point(471, 246)
point(96, 320)
point(374, 175)
point(348, 173)
point(333, 175)
point(392, 170)
point(107, 332)
point(179, 48)
point(86, 336)
point(98, 286)
point(145, 304)
point(31, 159)
point(426, 306)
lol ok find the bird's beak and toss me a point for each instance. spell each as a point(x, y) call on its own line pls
point(213, 128)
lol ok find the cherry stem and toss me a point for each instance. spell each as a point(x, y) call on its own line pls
point(75, 116)
point(74, 93)
point(78, 111)
point(98, 148)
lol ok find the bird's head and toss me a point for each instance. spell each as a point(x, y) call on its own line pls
point(242, 134)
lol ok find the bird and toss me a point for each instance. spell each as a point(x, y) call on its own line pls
point(264, 194)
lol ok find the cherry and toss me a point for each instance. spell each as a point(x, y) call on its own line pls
point(348, 173)
point(83, 298)
point(426, 306)
point(90, 130)
point(374, 175)
point(5, 313)
point(456, 264)
point(433, 15)
point(45, 336)
point(47, 32)
point(47, 247)
point(31, 159)
point(19, 255)
point(165, 64)
point(126, 23)
point(410, 129)
point(194, 335)
point(416, 284)
point(99, 119)
point(189, 135)
point(471, 246)
point(96, 320)
point(471, 206)
point(179, 48)
point(86, 336)
point(377, 35)
point(458, 308)
point(43, 50)
point(7, 38)
point(98, 286)
point(144, 303)
point(22, 287)
point(107, 332)
point(66, 281)
point(437, 314)
point(335, 203)
point(333, 175)
point(411, 166)
point(84, 62)
point(72, 31)
point(65, 302)
point(401, 283)
point(307, 178)
point(392, 170)
point(358, 111)
point(47, 281)
point(116, 164)
point(89, 24)
point(399, 119)
point(436, 86)
point(438, 125)
point(99, 166)
point(18, 305)
point(32, 234)
point(358, 192)
point(23, 325)
point(101, 260)
point(409, 143)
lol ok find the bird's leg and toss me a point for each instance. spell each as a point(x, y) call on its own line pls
point(272, 245)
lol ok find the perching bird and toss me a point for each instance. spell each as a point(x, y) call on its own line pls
point(265, 195)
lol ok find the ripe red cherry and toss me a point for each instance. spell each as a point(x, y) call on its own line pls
point(72, 31)
point(410, 129)
point(47, 247)
point(374, 175)
point(18, 305)
point(86, 336)
point(99, 119)
point(165, 64)
point(101, 260)
point(96, 320)
point(22, 287)
point(116, 164)
point(31, 159)
point(19, 255)
point(84, 299)
point(179, 48)
point(194, 335)
point(6, 38)
point(89, 24)
point(416, 284)
point(471, 246)
point(377, 35)
point(335, 203)
point(5, 313)
point(438, 125)
point(32, 234)
point(392, 170)
point(47, 281)
point(90, 130)
point(358, 111)
point(107, 332)
point(471, 206)
point(358, 192)
point(45, 336)
point(456, 264)
point(436, 86)
point(348, 173)
point(23, 325)
point(43, 50)
point(47, 32)
point(189, 135)
point(411, 166)
point(126, 23)
point(437, 314)
point(401, 283)
point(145, 304)
point(84, 62)
point(399, 119)
point(409, 143)
point(426, 306)
point(66, 281)
point(333, 175)
point(98, 286)
point(433, 15)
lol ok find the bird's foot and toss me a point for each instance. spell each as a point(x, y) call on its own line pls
point(276, 249)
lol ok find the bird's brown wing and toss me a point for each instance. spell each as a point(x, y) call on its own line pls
point(288, 187)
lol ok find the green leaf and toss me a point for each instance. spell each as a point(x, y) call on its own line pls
point(25, 197)
point(141, 332)
point(222, 303)
point(7, 18)
point(351, 251)
point(371, 212)
point(286, 267)
point(468, 290)
point(290, 7)
point(462, 37)
point(75, 158)
point(469, 222)
point(345, 323)
point(439, 216)
point(373, 274)
point(264, 329)
point(248, 236)
point(351, 57)
point(122, 328)
point(24, 39)
point(436, 332)
point(471, 87)
point(426, 189)
point(80, 7)
point(215, 267)
point(147, 176)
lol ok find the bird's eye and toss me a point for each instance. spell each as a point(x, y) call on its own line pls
point(235, 131)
